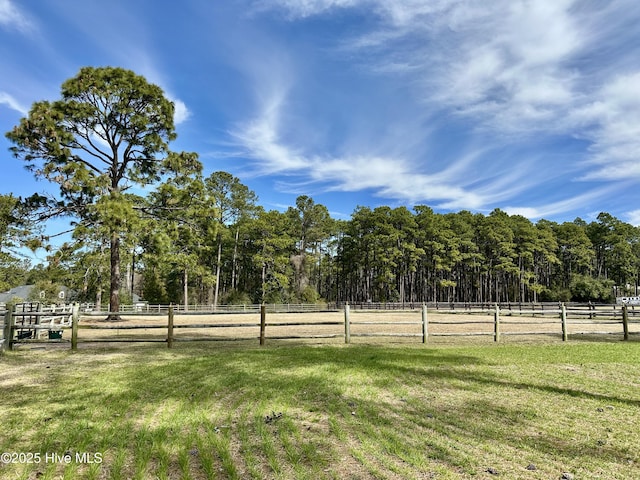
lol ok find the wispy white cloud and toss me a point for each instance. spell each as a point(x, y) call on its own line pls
point(399, 13)
point(270, 75)
point(633, 217)
point(386, 176)
point(577, 202)
point(305, 8)
point(390, 178)
point(12, 103)
point(379, 164)
point(505, 66)
point(511, 68)
point(260, 140)
point(612, 122)
point(181, 112)
point(12, 17)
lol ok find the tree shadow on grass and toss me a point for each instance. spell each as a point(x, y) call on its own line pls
point(371, 393)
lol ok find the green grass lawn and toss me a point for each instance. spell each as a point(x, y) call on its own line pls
point(520, 411)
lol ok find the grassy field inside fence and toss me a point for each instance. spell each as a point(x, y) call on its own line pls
point(520, 411)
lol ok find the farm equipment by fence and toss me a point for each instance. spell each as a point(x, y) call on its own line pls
point(26, 324)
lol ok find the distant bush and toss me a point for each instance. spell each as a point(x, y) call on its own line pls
point(235, 297)
point(557, 294)
point(584, 288)
point(309, 295)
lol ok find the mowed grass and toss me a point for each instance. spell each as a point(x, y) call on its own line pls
point(520, 411)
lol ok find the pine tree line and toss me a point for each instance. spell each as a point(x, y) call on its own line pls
point(212, 244)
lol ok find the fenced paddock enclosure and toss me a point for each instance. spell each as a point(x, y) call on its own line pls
point(28, 323)
point(368, 410)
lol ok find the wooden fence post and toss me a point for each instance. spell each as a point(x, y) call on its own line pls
point(625, 321)
point(425, 330)
point(9, 323)
point(5, 331)
point(75, 317)
point(36, 333)
point(170, 327)
point(563, 317)
point(347, 324)
point(496, 328)
point(263, 322)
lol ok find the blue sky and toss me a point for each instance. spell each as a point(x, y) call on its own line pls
point(531, 106)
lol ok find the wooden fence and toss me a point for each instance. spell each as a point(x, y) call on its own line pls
point(143, 307)
point(207, 309)
point(447, 307)
point(3, 333)
point(422, 323)
point(30, 321)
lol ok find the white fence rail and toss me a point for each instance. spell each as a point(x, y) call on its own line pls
point(151, 309)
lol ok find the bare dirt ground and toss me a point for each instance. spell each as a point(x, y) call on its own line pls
point(328, 327)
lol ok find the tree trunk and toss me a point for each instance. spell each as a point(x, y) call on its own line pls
point(114, 291)
point(99, 273)
point(215, 295)
point(185, 281)
point(98, 300)
point(264, 279)
point(235, 257)
point(132, 279)
point(128, 282)
point(85, 282)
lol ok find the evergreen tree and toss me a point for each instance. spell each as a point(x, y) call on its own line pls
point(232, 200)
point(109, 132)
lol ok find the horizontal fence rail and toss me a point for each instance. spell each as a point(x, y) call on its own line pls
point(537, 307)
point(208, 309)
point(26, 323)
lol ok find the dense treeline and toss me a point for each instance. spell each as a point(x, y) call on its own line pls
point(398, 255)
point(192, 239)
point(221, 247)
